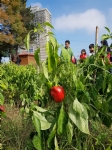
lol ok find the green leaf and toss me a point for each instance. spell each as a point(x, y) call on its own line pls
point(105, 37)
point(105, 107)
point(36, 56)
point(37, 139)
point(48, 24)
point(79, 116)
point(74, 78)
point(107, 120)
point(56, 144)
point(27, 110)
point(40, 109)
point(107, 29)
point(99, 81)
point(37, 143)
point(45, 70)
point(3, 84)
point(44, 123)
point(87, 95)
point(65, 54)
point(98, 103)
point(51, 58)
point(50, 33)
point(1, 99)
point(104, 82)
point(37, 124)
point(40, 28)
point(61, 120)
point(56, 56)
point(81, 86)
point(109, 148)
point(53, 41)
point(27, 41)
point(35, 30)
point(69, 128)
point(51, 135)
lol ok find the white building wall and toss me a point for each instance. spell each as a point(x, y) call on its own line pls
point(41, 16)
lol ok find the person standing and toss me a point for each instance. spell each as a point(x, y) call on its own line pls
point(91, 49)
point(69, 50)
point(109, 53)
point(83, 55)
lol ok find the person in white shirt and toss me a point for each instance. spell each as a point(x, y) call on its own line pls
point(91, 49)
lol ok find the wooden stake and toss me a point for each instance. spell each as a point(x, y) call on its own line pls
point(96, 36)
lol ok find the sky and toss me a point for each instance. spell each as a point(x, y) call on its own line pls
point(76, 20)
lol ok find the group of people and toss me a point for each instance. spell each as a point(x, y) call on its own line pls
point(84, 55)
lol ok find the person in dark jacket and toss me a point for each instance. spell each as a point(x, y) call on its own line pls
point(109, 52)
point(105, 43)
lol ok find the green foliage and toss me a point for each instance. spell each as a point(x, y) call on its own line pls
point(61, 120)
point(107, 29)
point(48, 24)
point(69, 128)
point(88, 83)
point(27, 41)
point(51, 135)
point(56, 144)
point(22, 84)
point(36, 55)
point(44, 124)
point(88, 88)
point(3, 87)
point(37, 139)
point(107, 36)
point(79, 116)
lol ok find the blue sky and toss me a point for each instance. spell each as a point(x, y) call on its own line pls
point(76, 20)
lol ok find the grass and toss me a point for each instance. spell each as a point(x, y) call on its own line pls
point(16, 131)
point(16, 134)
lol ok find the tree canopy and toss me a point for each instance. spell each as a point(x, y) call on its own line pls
point(16, 21)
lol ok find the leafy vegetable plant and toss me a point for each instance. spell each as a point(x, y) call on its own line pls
point(88, 95)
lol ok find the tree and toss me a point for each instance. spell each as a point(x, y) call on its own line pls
point(15, 18)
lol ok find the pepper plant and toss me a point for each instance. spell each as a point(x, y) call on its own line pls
point(87, 96)
point(3, 86)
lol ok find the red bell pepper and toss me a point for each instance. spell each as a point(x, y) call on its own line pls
point(57, 93)
point(2, 108)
